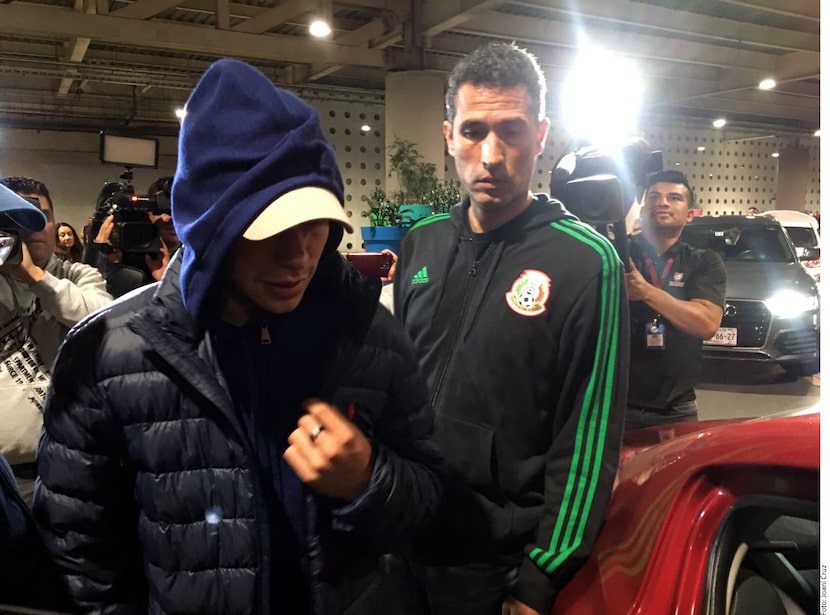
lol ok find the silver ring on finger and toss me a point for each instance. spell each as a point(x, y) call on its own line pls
point(315, 432)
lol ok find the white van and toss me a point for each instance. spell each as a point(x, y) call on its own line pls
point(803, 231)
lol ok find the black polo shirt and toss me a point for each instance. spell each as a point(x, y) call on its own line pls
point(661, 378)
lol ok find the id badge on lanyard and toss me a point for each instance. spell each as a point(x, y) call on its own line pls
point(655, 330)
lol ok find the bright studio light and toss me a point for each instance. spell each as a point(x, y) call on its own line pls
point(319, 28)
point(719, 123)
point(775, 154)
point(365, 128)
point(180, 112)
point(601, 97)
point(767, 84)
point(701, 148)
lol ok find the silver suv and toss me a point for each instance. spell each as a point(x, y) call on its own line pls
point(772, 303)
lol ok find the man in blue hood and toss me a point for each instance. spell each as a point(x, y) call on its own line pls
point(250, 434)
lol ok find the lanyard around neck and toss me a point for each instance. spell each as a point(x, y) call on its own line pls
point(652, 272)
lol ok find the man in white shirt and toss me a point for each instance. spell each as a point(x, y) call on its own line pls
point(41, 297)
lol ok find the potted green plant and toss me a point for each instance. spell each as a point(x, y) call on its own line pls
point(385, 229)
point(382, 211)
point(420, 193)
point(417, 179)
point(444, 195)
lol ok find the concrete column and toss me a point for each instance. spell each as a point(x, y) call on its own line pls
point(793, 178)
point(415, 111)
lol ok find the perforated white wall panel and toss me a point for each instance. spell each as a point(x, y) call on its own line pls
point(728, 176)
point(360, 155)
point(813, 200)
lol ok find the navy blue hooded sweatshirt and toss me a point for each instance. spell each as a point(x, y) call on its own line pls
point(243, 143)
point(228, 172)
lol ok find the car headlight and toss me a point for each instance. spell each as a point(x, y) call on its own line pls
point(790, 303)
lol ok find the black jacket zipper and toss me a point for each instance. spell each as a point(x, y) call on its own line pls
point(462, 315)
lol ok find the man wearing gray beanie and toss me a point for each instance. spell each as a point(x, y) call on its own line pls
point(250, 434)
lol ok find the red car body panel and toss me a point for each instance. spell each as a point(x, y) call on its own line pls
point(671, 497)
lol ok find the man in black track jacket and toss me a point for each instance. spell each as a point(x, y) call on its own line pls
point(250, 434)
point(519, 316)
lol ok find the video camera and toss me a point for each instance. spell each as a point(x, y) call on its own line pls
point(599, 187)
point(133, 232)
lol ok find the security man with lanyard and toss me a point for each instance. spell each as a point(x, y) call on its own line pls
point(677, 296)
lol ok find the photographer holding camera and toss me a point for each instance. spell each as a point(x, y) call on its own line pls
point(676, 293)
point(41, 297)
point(163, 221)
point(133, 235)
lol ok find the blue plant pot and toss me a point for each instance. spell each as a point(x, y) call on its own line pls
point(376, 238)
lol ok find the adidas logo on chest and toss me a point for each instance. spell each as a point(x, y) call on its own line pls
point(422, 277)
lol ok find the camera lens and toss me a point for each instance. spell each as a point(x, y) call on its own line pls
point(7, 244)
point(138, 237)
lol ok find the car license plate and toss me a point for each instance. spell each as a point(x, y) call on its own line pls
point(726, 336)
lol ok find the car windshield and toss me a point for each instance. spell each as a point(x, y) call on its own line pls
point(734, 242)
point(802, 237)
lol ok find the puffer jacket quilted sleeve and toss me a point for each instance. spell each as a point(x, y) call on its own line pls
point(146, 497)
point(84, 492)
point(405, 487)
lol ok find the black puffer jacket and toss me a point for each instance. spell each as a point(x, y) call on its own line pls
point(149, 496)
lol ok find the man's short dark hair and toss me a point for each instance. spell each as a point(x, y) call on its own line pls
point(671, 177)
point(162, 184)
point(499, 65)
point(27, 185)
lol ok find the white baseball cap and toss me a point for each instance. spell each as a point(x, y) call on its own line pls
point(296, 207)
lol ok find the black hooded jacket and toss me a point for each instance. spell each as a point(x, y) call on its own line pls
point(149, 495)
point(522, 336)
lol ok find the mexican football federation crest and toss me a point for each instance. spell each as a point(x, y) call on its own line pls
point(529, 294)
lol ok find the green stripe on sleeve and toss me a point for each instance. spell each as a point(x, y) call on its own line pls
point(606, 385)
point(586, 462)
point(429, 220)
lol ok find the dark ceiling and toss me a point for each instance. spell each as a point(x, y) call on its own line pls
point(92, 64)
